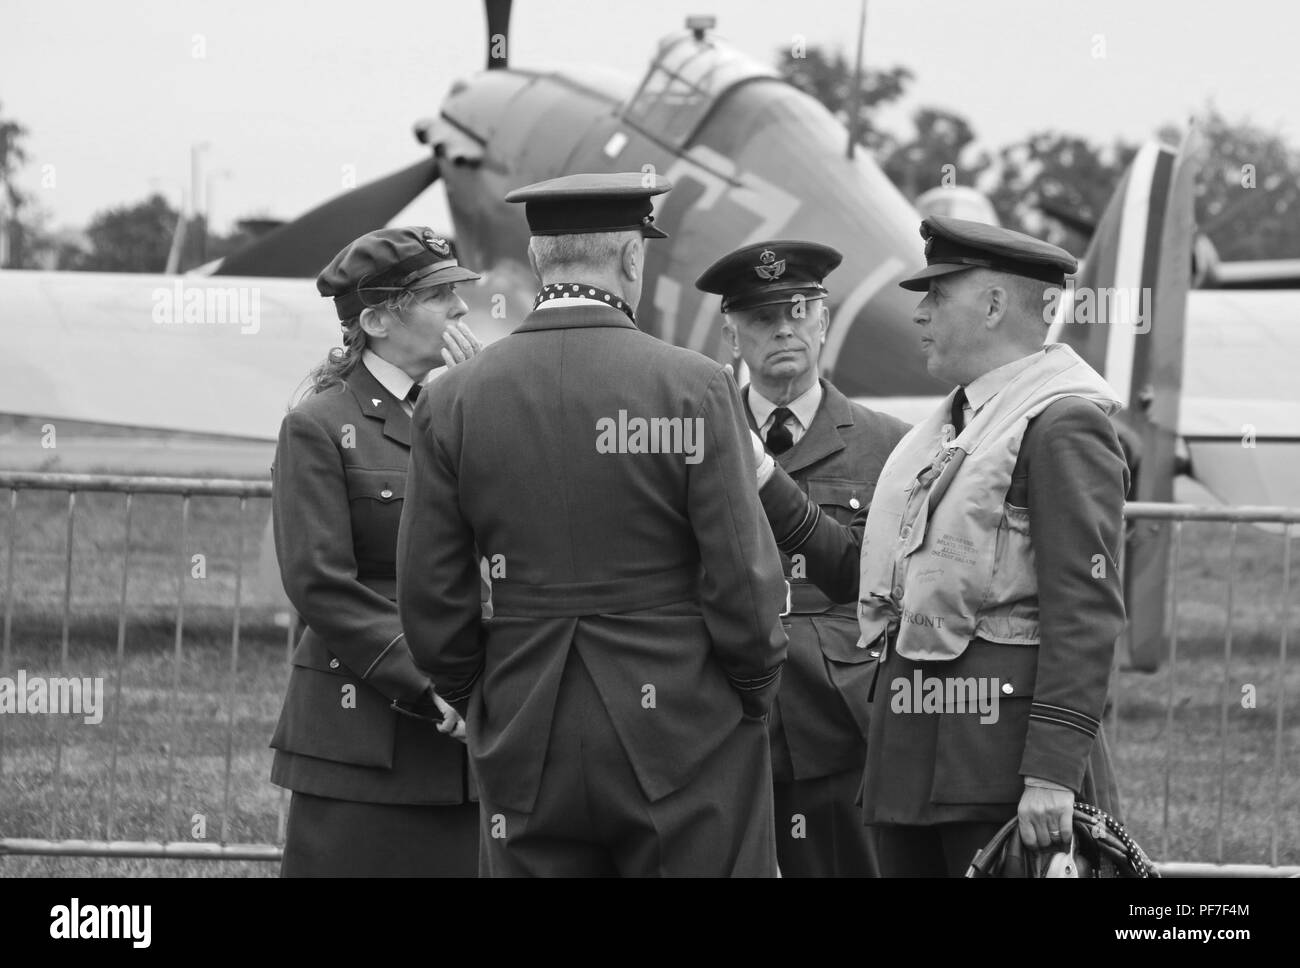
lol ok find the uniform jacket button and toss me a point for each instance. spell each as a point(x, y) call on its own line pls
point(854, 503)
point(1008, 688)
point(334, 663)
point(898, 591)
point(385, 494)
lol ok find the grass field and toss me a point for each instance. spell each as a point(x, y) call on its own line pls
point(177, 709)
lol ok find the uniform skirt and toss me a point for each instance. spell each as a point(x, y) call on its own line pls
point(345, 838)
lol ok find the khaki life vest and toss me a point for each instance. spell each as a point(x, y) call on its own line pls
point(944, 558)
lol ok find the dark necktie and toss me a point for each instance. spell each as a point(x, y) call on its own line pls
point(413, 394)
point(959, 410)
point(779, 438)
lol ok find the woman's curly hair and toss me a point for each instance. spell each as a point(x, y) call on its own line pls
point(342, 360)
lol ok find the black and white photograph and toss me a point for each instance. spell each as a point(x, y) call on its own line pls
point(727, 439)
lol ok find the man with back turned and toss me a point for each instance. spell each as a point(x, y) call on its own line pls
point(616, 701)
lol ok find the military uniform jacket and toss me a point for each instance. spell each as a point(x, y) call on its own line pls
point(819, 722)
point(1071, 478)
point(660, 572)
point(339, 481)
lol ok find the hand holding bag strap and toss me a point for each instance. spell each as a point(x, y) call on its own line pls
point(1094, 833)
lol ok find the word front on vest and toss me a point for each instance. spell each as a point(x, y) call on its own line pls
point(950, 694)
point(925, 621)
point(651, 435)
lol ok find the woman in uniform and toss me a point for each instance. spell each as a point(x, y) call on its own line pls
point(374, 757)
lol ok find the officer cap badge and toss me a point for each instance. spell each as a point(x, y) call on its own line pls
point(437, 246)
point(769, 267)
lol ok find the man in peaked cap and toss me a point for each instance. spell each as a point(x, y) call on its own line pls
point(988, 575)
point(615, 702)
point(819, 456)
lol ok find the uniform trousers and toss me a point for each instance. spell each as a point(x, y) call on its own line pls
point(326, 837)
point(819, 830)
point(591, 817)
point(940, 850)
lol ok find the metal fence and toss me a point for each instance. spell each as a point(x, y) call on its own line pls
point(131, 487)
point(1280, 806)
point(49, 786)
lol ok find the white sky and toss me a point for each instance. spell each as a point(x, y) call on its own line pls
point(290, 92)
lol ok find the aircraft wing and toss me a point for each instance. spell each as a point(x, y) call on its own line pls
point(194, 355)
point(114, 348)
point(1240, 415)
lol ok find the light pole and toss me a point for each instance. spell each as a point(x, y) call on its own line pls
point(209, 192)
point(196, 150)
point(178, 235)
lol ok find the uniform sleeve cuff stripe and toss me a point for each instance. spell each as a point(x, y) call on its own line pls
point(795, 539)
point(1063, 722)
point(750, 685)
point(380, 658)
point(784, 542)
point(1071, 712)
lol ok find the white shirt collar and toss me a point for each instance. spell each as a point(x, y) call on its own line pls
point(984, 388)
point(393, 379)
point(565, 302)
point(804, 407)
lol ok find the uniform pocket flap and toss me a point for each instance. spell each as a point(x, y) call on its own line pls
point(378, 485)
point(312, 654)
point(840, 492)
point(1014, 667)
point(841, 640)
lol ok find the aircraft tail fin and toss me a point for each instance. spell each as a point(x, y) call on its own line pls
point(1127, 317)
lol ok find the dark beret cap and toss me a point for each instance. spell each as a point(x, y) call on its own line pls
point(387, 261)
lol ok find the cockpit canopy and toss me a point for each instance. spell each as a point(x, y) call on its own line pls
point(687, 77)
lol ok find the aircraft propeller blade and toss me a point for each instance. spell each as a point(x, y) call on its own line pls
point(498, 25)
point(305, 245)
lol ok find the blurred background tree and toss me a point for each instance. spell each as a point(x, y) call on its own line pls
point(828, 77)
point(24, 242)
point(940, 139)
point(1248, 196)
point(1052, 183)
point(1056, 184)
point(131, 238)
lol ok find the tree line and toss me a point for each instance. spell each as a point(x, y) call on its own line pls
point(1051, 183)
